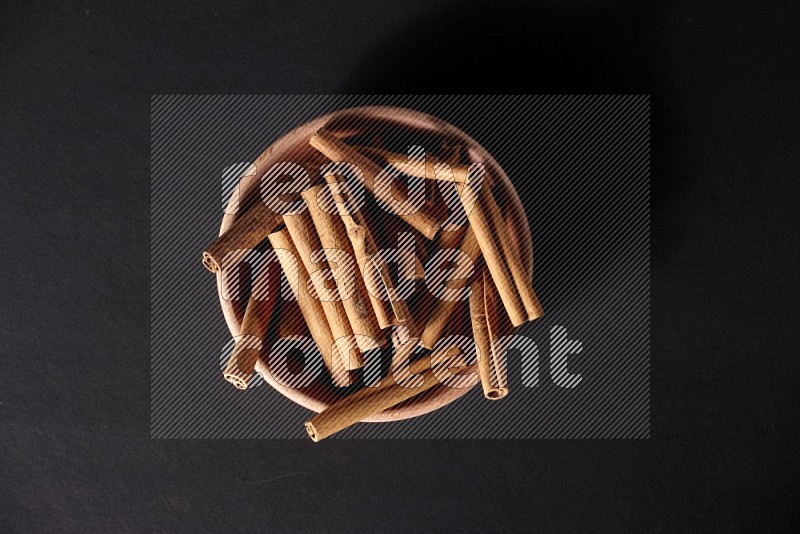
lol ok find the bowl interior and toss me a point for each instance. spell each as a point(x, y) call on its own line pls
point(393, 129)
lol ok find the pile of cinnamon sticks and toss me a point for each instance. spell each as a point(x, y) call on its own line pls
point(349, 297)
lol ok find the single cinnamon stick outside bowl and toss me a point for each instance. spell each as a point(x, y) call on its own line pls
point(294, 146)
point(371, 400)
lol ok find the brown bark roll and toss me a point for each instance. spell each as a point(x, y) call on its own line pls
point(420, 255)
point(355, 300)
point(401, 162)
point(393, 310)
point(310, 308)
point(258, 221)
point(450, 154)
point(450, 238)
point(497, 329)
point(424, 219)
point(443, 309)
point(244, 356)
point(304, 237)
point(483, 314)
point(371, 400)
point(246, 233)
point(475, 205)
point(521, 280)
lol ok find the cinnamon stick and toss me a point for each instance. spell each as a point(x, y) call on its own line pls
point(450, 154)
point(485, 325)
point(244, 356)
point(443, 309)
point(310, 308)
point(257, 221)
point(355, 299)
point(371, 400)
point(431, 170)
point(497, 329)
point(246, 233)
point(304, 237)
point(521, 280)
point(375, 271)
point(420, 255)
point(475, 205)
point(424, 219)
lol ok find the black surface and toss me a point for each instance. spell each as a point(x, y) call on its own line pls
point(76, 82)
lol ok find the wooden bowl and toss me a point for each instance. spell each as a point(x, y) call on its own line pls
point(362, 123)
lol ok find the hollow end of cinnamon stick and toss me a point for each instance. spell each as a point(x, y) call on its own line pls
point(210, 263)
point(237, 374)
point(495, 393)
point(249, 230)
point(312, 432)
point(237, 381)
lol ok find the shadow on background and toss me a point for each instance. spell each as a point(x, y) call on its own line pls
point(519, 48)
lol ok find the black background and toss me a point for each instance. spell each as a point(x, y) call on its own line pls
point(76, 81)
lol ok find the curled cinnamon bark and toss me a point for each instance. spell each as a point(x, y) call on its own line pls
point(371, 400)
point(245, 234)
point(425, 219)
point(338, 250)
point(485, 327)
point(247, 349)
point(390, 309)
point(444, 308)
point(310, 308)
point(475, 204)
point(301, 229)
point(431, 169)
